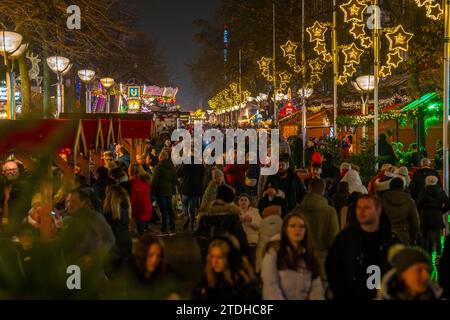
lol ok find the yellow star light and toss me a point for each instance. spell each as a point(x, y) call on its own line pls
point(421, 3)
point(342, 80)
point(320, 48)
point(266, 73)
point(385, 71)
point(317, 32)
point(352, 54)
point(366, 42)
point(289, 49)
point(353, 11)
point(327, 57)
point(297, 69)
point(292, 61)
point(394, 59)
point(316, 66)
point(358, 30)
point(264, 63)
point(285, 77)
point(399, 39)
point(315, 78)
point(434, 12)
point(349, 70)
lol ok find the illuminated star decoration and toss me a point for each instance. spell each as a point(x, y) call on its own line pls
point(289, 49)
point(399, 39)
point(352, 54)
point(320, 48)
point(317, 66)
point(421, 3)
point(342, 80)
point(366, 42)
point(317, 32)
point(285, 78)
point(349, 70)
point(434, 11)
point(353, 10)
point(327, 57)
point(264, 63)
point(394, 59)
point(358, 30)
point(385, 71)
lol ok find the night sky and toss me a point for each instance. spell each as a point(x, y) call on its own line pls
point(170, 22)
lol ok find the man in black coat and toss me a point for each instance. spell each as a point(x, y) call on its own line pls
point(191, 189)
point(418, 180)
point(385, 150)
point(358, 247)
point(288, 182)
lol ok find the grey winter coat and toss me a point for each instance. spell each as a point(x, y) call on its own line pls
point(288, 284)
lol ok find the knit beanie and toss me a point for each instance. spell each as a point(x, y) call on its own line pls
point(401, 257)
point(225, 193)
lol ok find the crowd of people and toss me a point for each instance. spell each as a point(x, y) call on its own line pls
point(283, 237)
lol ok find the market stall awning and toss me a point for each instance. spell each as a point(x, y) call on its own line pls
point(35, 136)
point(428, 100)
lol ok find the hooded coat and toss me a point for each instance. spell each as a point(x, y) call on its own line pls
point(270, 230)
point(164, 178)
point(393, 289)
point(354, 182)
point(401, 210)
point(324, 225)
point(220, 217)
point(418, 180)
point(432, 204)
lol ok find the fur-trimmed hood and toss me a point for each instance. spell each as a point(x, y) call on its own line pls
point(220, 208)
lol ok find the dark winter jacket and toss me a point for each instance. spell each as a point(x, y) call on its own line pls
point(432, 204)
point(393, 289)
point(347, 261)
point(418, 180)
point(401, 210)
point(164, 179)
point(292, 186)
point(192, 175)
point(220, 219)
point(265, 202)
point(224, 291)
point(100, 186)
point(123, 245)
point(385, 150)
point(340, 200)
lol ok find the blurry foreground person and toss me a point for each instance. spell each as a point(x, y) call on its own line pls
point(228, 275)
point(148, 277)
point(410, 277)
point(290, 271)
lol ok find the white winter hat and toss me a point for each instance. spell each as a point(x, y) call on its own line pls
point(431, 181)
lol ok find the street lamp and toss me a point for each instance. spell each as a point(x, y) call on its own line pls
point(86, 76)
point(304, 93)
point(9, 44)
point(364, 85)
point(59, 65)
point(107, 82)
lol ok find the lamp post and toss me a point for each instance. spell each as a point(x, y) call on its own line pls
point(446, 99)
point(59, 65)
point(86, 76)
point(305, 93)
point(107, 82)
point(10, 44)
point(364, 85)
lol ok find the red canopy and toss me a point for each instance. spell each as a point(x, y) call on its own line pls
point(37, 135)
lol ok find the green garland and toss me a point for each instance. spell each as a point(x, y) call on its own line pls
point(404, 118)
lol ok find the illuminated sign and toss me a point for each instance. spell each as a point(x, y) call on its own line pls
point(134, 92)
point(4, 94)
point(134, 106)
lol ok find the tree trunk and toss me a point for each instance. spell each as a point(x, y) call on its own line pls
point(46, 87)
point(25, 85)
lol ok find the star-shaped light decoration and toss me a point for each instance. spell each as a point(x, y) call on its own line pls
point(421, 3)
point(358, 30)
point(385, 71)
point(316, 66)
point(317, 32)
point(315, 78)
point(320, 48)
point(285, 77)
point(327, 57)
point(289, 49)
point(342, 80)
point(394, 59)
point(399, 39)
point(292, 61)
point(434, 12)
point(297, 69)
point(349, 70)
point(266, 73)
point(352, 54)
point(353, 11)
point(264, 63)
point(366, 42)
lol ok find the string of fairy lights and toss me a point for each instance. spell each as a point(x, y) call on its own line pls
point(228, 99)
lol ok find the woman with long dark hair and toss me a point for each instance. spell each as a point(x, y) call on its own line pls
point(290, 271)
point(228, 275)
